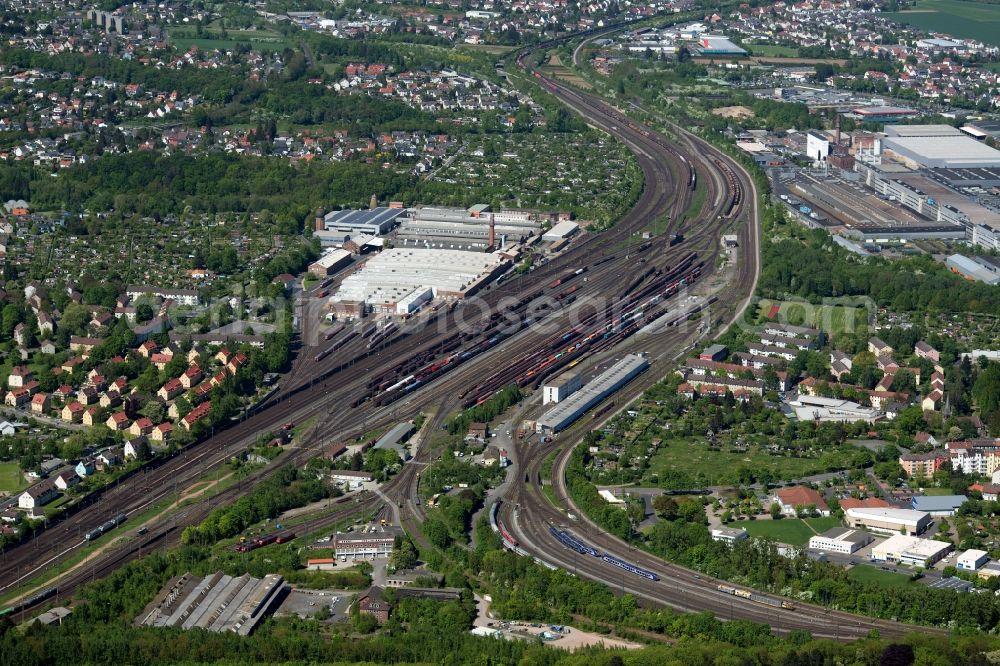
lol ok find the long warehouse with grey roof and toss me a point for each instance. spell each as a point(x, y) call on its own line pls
point(569, 410)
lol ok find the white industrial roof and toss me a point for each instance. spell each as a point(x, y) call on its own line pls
point(922, 130)
point(562, 230)
point(332, 258)
point(395, 273)
point(901, 516)
point(972, 555)
point(954, 152)
point(913, 546)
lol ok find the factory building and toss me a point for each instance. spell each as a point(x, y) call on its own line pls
point(398, 279)
point(377, 221)
point(215, 603)
point(841, 540)
point(938, 147)
point(891, 521)
point(972, 559)
point(476, 228)
point(569, 410)
point(911, 551)
point(560, 231)
point(330, 263)
point(971, 269)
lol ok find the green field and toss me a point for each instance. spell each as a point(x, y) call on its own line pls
point(182, 37)
point(693, 458)
point(973, 20)
point(867, 574)
point(821, 525)
point(773, 50)
point(792, 531)
point(11, 479)
point(832, 319)
point(937, 491)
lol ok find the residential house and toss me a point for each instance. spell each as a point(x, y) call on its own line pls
point(141, 427)
point(47, 347)
point(792, 500)
point(878, 346)
point(924, 350)
point(148, 348)
point(161, 433)
point(373, 603)
point(85, 467)
point(18, 398)
point(73, 412)
point(931, 401)
point(118, 421)
point(237, 361)
point(160, 360)
point(40, 403)
point(87, 395)
point(196, 414)
point(38, 495)
point(19, 376)
point(131, 448)
point(66, 479)
point(191, 376)
point(922, 464)
point(171, 389)
point(111, 457)
point(92, 416)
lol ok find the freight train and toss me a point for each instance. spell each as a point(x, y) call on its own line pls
point(105, 527)
point(30, 602)
point(756, 597)
point(253, 544)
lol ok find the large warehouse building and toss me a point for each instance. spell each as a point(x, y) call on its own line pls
point(912, 551)
point(938, 147)
point(404, 275)
point(378, 221)
point(465, 228)
point(892, 521)
point(569, 410)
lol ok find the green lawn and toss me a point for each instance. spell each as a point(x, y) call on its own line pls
point(937, 491)
point(823, 524)
point(182, 37)
point(792, 531)
point(868, 574)
point(832, 319)
point(975, 20)
point(691, 457)
point(773, 50)
point(11, 479)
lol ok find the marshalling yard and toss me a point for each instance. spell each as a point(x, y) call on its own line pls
point(399, 336)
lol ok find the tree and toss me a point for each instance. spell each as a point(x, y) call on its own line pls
point(897, 654)
point(665, 506)
point(775, 511)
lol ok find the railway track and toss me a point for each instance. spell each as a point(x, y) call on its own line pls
point(333, 380)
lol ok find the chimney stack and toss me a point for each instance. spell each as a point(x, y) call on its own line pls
point(492, 233)
point(373, 204)
point(320, 224)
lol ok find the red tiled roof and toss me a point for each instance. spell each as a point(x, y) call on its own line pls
point(800, 496)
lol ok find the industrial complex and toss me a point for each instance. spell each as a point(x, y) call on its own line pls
point(400, 280)
point(911, 182)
